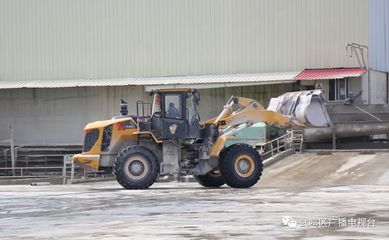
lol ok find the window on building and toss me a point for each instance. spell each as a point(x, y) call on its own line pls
point(338, 89)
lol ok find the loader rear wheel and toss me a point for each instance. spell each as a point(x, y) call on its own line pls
point(211, 179)
point(136, 167)
point(241, 166)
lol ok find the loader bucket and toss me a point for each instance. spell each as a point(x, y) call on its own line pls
point(305, 107)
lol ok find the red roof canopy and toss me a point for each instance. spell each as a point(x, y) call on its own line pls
point(329, 73)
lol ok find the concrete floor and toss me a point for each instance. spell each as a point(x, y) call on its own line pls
point(304, 187)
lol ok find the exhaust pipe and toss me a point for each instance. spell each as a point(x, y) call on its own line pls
point(123, 107)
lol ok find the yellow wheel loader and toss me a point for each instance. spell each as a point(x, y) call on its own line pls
point(171, 140)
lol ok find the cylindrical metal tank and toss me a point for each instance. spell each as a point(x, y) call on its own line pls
point(351, 121)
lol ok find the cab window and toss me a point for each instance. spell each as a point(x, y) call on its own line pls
point(190, 110)
point(157, 105)
point(173, 108)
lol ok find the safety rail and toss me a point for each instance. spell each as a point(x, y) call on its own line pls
point(291, 140)
point(145, 107)
point(12, 147)
point(68, 172)
point(65, 172)
point(26, 171)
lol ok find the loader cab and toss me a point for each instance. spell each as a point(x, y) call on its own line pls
point(174, 114)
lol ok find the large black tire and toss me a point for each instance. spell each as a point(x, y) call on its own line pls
point(136, 167)
point(211, 179)
point(241, 166)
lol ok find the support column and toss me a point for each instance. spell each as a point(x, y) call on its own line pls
point(12, 145)
point(333, 136)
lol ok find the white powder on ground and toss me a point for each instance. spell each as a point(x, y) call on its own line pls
point(384, 179)
point(355, 161)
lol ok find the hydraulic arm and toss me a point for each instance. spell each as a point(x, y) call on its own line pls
point(290, 110)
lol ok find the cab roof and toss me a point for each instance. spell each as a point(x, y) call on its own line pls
point(174, 90)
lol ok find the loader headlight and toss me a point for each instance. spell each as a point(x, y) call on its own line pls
point(91, 136)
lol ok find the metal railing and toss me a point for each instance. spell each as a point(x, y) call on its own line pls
point(38, 172)
point(288, 141)
point(66, 171)
point(29, 171)
point(12, 148)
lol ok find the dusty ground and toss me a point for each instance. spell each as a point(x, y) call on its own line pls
point(340, 168)
point(306, 187)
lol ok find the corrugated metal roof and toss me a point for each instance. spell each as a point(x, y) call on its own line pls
point(250, 78)
point(329, 73)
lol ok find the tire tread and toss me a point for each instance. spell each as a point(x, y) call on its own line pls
point(121, 176)
point(227, 168)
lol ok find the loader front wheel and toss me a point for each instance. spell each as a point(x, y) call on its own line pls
point(241, 166)
point(211, 179)
point(136, 167)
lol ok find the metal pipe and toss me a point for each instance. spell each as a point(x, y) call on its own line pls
point(64, 171)
point(371, 115)
point(346, 129)
point(333, 137)
point(12, 145)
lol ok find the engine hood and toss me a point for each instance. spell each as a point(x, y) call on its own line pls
point(104, 123)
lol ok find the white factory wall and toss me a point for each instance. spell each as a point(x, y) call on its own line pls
point(375, 86)
point(58, 116)
point(365, 88)
point(379, 35)
point(378, 88)
point(56, 39)
point(213, 100)
point(377, 81)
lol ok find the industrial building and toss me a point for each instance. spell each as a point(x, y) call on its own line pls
point(66, 63)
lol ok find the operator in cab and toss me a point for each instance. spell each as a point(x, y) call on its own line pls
point(172, 111)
